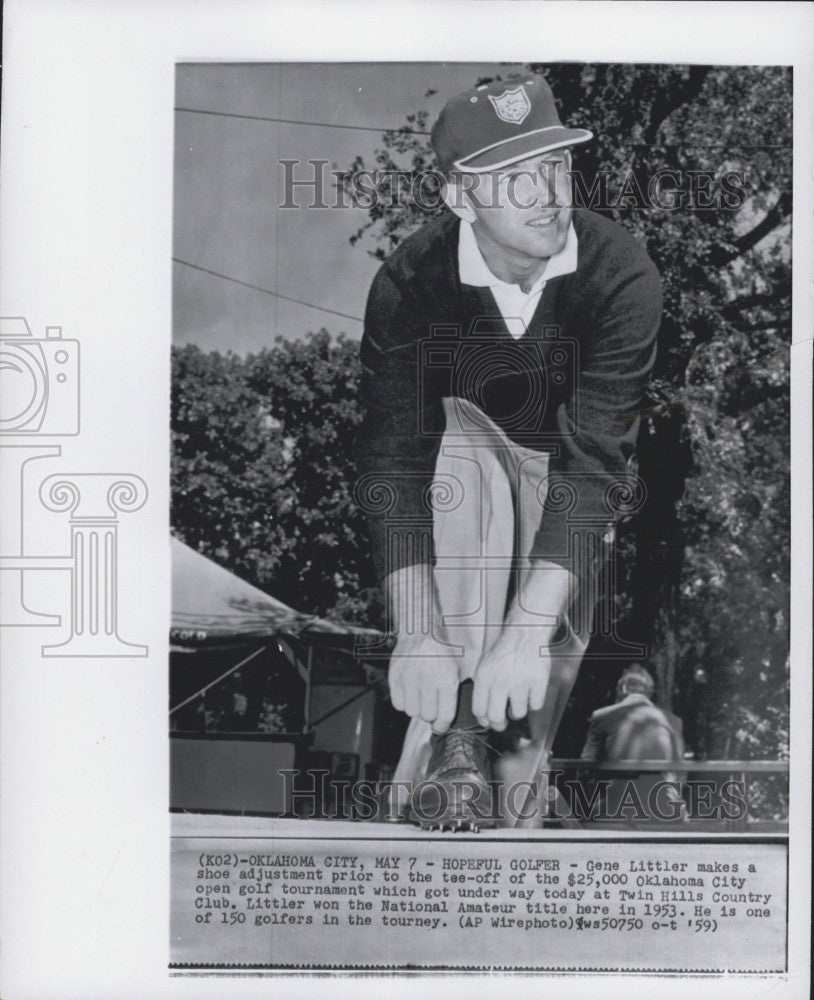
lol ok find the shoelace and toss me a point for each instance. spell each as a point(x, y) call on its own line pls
point(463, 740)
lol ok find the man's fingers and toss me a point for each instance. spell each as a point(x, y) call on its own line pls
point(537, 697)
point(412, 700)
point(518, 703)
point(429, 704)
point(496, 713)
point(447, 703)
point(480, 698)
point(396, 690)
point(425, 692)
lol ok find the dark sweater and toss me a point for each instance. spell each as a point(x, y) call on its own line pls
point(571, 385)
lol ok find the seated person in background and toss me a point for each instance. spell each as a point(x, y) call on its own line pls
point(634, 729)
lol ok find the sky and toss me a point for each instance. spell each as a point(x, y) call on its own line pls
point(229, 184)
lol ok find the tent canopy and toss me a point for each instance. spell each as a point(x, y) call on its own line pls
point(221, 624)
point(210, 603)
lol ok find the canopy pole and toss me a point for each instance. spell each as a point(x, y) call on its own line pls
point(217, 680)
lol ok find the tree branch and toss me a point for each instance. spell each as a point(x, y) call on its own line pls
point(773, 325)
point(672, 99)
point(719, 256)
point(736, 308)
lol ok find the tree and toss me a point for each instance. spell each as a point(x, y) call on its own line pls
point(262, 472)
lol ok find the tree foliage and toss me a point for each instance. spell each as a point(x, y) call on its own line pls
point(263, 474)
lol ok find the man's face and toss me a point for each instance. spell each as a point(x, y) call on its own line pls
point(524, 209)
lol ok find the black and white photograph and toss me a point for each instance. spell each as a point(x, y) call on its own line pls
point(480, 483)
point(405, 440)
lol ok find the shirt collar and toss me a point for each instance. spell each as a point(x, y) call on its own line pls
point(474, 270)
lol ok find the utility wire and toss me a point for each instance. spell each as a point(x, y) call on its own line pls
point(297, 121)
point(414, 131)
point(266, 291)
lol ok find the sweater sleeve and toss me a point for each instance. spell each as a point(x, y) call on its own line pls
point(590, 485)
point(403, 420)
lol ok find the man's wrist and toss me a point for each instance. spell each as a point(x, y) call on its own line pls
point(413, 602)
point(545, 592)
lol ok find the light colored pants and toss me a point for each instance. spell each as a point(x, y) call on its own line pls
point(489, 503)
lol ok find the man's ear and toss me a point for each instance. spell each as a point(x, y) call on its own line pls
point(457, 199)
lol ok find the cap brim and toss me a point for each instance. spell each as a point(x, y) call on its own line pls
point(503, 154)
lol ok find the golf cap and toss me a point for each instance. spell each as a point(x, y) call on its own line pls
point(497, 124)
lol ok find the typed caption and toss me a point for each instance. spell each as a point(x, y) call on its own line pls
point(435, 904)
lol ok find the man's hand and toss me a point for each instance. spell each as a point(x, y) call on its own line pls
point(423, 675)
point(423, 683)
point(513, 675)
point(512, 678)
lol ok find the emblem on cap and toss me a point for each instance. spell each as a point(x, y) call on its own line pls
point(512, 106)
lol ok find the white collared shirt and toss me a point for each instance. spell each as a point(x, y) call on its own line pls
point(516, 306)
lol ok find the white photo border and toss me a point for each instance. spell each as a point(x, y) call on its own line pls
point(86, 221)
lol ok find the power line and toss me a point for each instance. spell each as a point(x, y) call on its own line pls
point(266, 291)
point(414, 131)
point(297, 121)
